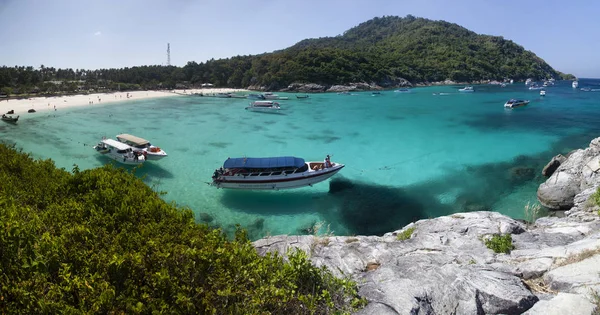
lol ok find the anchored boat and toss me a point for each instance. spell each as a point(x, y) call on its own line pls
point(264, 106)
point(512, 103)
point(273, 173)
point(142, 145)
point(119, 152)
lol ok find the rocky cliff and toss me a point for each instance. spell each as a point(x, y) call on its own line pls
point(442, 265)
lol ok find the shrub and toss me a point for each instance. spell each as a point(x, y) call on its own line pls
point(406, 234)
point(500, 243)
point(101, 241)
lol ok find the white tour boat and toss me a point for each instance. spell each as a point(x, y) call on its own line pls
point(272, 173)
point(467, 89)
point(264, 106)
point(119, 152)
point(543, 93)
point(512, 103)
point(142, 145)
point(271, 96)
point(575, 84)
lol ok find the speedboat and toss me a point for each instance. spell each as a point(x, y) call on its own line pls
point(119, 152)
point(272, 173)
point(302, 96)
point(142, 145)
point(256, 96)
point(536, 87)
point(264, 106)
point(271, 96)
point(575, 84)
point(542, 93)
point(10, 119)
point(467, 89)
point(402, 91)
point(512, 103)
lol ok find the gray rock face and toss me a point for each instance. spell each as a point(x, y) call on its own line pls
point(553, 165)
point(305, 87)
point(445, 268)
point(563, 303)
point(580, 171)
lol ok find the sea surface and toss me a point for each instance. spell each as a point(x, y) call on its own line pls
point(408, 156)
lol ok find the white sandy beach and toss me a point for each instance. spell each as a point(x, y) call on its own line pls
point(21, 106)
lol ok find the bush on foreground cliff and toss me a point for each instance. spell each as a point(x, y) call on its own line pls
point(100, 241)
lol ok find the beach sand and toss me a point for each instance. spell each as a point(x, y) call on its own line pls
point(21, 106)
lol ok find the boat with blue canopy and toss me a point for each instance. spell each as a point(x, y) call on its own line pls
point(274, 173)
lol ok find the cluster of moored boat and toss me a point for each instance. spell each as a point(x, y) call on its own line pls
point(130, 150)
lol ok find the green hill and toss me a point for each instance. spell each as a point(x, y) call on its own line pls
point(382, 51)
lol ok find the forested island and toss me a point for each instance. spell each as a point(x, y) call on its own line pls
point(387, 52)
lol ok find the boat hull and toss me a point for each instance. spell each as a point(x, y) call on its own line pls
point(278, 182)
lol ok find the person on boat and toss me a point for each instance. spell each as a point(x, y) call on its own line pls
point(215, 175)
point(327, 161)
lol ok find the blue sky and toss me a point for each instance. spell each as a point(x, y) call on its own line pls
point(94, 34)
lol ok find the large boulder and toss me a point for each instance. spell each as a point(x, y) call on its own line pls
point(553, 165)
point(580, 171)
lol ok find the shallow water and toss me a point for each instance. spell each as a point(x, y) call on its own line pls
point(408, 155)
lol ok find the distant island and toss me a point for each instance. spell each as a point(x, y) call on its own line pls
point(383, 52)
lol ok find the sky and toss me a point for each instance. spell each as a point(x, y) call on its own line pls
point(94, 34)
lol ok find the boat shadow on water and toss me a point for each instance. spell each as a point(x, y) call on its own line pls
point(270, 202)
point(371, 209)
point(147, 171)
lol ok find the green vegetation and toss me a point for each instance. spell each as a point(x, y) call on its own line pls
point(406, 234)
point(500, 243)
point(100, 241)
point(382, 50)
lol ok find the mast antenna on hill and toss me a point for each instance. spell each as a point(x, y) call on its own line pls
point(168, 54)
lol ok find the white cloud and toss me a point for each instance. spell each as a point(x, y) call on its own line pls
point(98, 33)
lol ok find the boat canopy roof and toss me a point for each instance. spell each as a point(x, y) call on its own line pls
point(116, 144)
point(133, 139)
point(270, 162)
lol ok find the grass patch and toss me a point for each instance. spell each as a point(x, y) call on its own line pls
point(500, 243)
point(538, 285)
point(351, 240)
point(532, 212)
point(406, 234)
point(596, 301)
point(578, 257)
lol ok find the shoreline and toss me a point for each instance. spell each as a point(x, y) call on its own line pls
point(50, 103)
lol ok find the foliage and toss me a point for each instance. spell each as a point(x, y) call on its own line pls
point(596, 197)
point(100, 241)
point(381, 50)
point(500, 243)
point(532, 212)
point(406, 234)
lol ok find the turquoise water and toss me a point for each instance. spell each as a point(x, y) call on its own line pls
point(408, 155)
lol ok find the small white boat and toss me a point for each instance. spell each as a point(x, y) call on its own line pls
point(542, 93)
point(264, 106)
point(255, 97)
point(512, 103)
point(271, 96)
point(536, 87)
point(467, 89)
point(528, 82)
point(575, 84)
point(402, 91)
point(119, 152)
point(272, 173)
point(142, 145)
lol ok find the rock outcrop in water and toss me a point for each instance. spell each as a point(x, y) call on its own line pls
point(444, 266)
point(576, 175)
